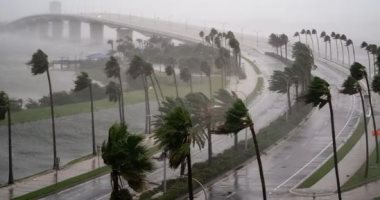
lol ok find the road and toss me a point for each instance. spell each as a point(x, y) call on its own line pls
point(292, 160)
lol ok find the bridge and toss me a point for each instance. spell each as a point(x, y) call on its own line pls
point(51, 26)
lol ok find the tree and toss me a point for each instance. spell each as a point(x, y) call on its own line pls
point(206, 68)
point(84, 81)
point(319, 95)
point(323, 36)
point(112, 70)
point(314, 32)
point(308, 32)
point(297, 34)
point(351, 87)
point(284, 41)
point(373, 51)
point(125, 154)
point(169, 70)
point(336, 36)
point(237, 118)
point(303, 32)
point(358, 72)
point(367, 48)
point(348, 43)
point(303, 61)
point(280, 82)
point(202, 35)
point(5, 112)
point(175, 135)
point(110, 42)
point(327, 39)
point(40, 64)
point(114, 92)
point(185, 75)
point(274, 41)
point(343, 38)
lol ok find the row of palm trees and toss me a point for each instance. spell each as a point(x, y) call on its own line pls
point(278, 41)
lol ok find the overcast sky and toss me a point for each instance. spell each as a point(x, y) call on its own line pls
point(359, 19)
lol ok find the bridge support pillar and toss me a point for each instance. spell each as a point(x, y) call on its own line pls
point(96, 32)
point(57, 29)
point(75, 31)
point(43, 30)
point(124, 34)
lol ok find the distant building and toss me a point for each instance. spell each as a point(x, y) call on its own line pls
point(55, 7)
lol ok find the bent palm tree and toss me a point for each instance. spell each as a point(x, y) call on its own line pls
point(84, 81)
point(5, 112)
point(169, 70)
point(328, 40)
point(319, 95)
point(348, 43)
point(297, 34)
point(40, 64)
point(350, 87)
point(237, 118)
point(113, 91)
point(125, 154)
point(303, 32)
point(342, 38)
point(206, 68)
point(367, 48)
point(358, 72)
point(323, 35)
point(314, 32)
point(308, 33)
point(335, 36)
point(185, 75)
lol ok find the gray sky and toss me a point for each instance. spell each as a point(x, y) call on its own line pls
point(359, 19)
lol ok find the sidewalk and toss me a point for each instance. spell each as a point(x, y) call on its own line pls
point(51, 177)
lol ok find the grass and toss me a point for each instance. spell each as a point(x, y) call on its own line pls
point(358, 178)
point(131, 97)
point(71, 182)
point(231, 158)
point(329, 164)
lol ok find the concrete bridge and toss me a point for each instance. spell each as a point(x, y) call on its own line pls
point(52, 26)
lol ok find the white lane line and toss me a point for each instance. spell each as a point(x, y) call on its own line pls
point(324, 149)
point(104, 196)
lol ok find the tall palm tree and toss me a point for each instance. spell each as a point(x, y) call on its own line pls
point(169, 70)
point(202, 35)
point(314, 32)
point(323, 36)
point(82, 82)
point(185, 75)
point(274, 41)
point(280, 82)
point(373, 51)
point(342, 38)
point(336, 36)
point(128, 158)
point(348, 43)
point(367, 48)
point(5, 112)
point(237, 118)
point(285, 40)
point(308, 33)
point(114, 92)
point(110, 42)
point(112, 70)
point(319, 95)
point(328, 40)
point(40, 64)
point(351, 87)
point(303, 32)
point(206, 68)
point(175, 135)
point(358, 72)
point(297, 34)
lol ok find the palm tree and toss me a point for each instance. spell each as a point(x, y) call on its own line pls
point(373, 51)
point(169, 70)
point(237, 118)
point(114, 92)
point(314, 32)
point(297, 34)
point(343, 38)
point(112, 70)
point(348, 43)
point(5, 112)
point(336, 36)
point(40, 64)
point(351, 87)
point(280, 82)
point(110, 42)
point(125, 154)
point(84, 81)
point(206, 68)
point(303, 32)
point(175, 135)
point(323, 36)
point(308, 32)
point(285, 40)
point(202, 35)
point(367, 47)
point(328, 39)
point(274, 41)
point(319, 95)
point(185, 75)
point(358, 72)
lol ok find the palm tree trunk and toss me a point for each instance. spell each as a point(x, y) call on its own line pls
point(120, 114)
point(209, 140)
point(306, 38)
point(330, 51)
point(369, 65)
point(191, 83)
point(316, 36)
point(312, 43)
point(258, 161)
point(10, 176)
point(155, 92)
point(281, 51)
point(175, 84)
point(158, 85)
point(366, 135)
point(146, 104)
point(115, 183)
point(288, 95)
point(189, 177)
point(55, 164)
point(296, 88)
point(122, 99)
point(373, 118)
point(348, 54)
point(326, 50)
point(353, 51)
point(92, 121)
point(210, 86)
point(222, 77)
point(337, 50)
point(334, 149)
point(375, 71)
point(341, 44)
